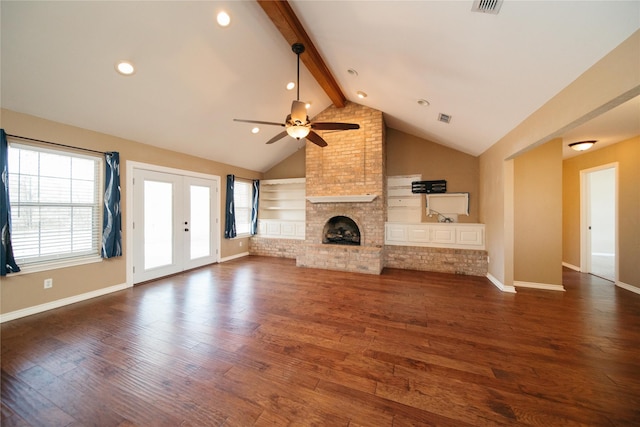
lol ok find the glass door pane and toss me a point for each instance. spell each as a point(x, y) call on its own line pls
point(200, 221)
point(158, 224)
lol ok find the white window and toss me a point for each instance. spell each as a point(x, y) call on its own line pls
point(55, 204)
point(242, 192)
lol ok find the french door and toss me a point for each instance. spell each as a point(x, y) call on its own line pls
point(174, 223)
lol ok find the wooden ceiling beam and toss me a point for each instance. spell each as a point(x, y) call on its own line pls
point(286, 21)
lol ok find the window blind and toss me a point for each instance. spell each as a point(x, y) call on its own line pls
point(55, 203)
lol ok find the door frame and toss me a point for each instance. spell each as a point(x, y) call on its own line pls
point(129, 217)
point(585, 203)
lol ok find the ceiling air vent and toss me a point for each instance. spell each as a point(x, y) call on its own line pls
point(444, 118)
point(487, 6)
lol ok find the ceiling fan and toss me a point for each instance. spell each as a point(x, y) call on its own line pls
point(297, 124)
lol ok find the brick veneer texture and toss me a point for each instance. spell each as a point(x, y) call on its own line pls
point(353, 163)
point(279, 248)
point(456, 261)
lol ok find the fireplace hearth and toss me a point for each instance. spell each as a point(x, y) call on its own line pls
point(341, 230)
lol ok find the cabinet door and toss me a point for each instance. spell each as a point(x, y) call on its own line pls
point(288, 229)
point(273, 228)
point(396, 233)
point(443, 234)
point(469, 236)
point(418, 234)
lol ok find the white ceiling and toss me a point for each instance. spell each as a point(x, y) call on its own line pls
point(489, 72)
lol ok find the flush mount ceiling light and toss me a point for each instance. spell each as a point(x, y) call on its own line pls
point(582, 145)
point(125, 68)
point(423, 102)
point(361, 94)
point(223, 19)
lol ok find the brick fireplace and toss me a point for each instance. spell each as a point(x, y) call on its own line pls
point(346, 179)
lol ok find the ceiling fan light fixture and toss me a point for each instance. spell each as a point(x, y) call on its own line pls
point(298, 131)
point(582, 145)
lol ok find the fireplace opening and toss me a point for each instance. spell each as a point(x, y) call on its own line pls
point(341, 230)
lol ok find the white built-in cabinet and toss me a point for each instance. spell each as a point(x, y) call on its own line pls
point(404, 226)
point(441, 235)
point(282, 208)
point(402, 204)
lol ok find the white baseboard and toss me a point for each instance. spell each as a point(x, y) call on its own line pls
point(498, 284)
point(571, 266)
point(628, 287)
point(60, 303)
point(232, 257)
point(543, 286)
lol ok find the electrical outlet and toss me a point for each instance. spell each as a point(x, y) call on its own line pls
point(240, 242)
point(48, 283)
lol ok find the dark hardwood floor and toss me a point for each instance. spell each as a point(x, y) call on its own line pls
point(258, 341)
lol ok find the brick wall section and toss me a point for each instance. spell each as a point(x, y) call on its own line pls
point(352, 164)
point(456, 261)
point(280, 248)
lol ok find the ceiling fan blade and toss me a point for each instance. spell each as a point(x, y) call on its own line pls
point(316, 139)
point(299, 111)
point(259, 122)
point(277, 137)
point(334, 126)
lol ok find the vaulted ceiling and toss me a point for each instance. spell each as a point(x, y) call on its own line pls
point(488, 72)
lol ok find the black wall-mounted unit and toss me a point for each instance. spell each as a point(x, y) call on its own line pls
point(422, 187)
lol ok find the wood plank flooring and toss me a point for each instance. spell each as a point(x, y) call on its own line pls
point(258, 341)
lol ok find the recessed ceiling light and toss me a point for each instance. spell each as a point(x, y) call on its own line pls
point(125, 68)
point(291, 85)
point(423, 102)
point(361, 94)
point(307, 105)
point(255, 130)
point(353, 72)
point(223, 19)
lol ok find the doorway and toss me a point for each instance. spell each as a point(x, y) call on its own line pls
point(175, 222)
point(599, 221)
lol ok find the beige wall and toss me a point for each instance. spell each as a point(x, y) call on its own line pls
point(410, 155)
point(538, 214)
point(291, 167)
point(611, 81)
point(26, 290)
point(627, 155)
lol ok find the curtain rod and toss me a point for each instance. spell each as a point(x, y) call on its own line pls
point(55, 143)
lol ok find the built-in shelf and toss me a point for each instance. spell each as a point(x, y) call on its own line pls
point(282, 208)
point(356, 198)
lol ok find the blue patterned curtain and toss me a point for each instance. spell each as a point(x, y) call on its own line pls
point(254, 207)
point(7, 262)
point(230, 210)
point(112, 217)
